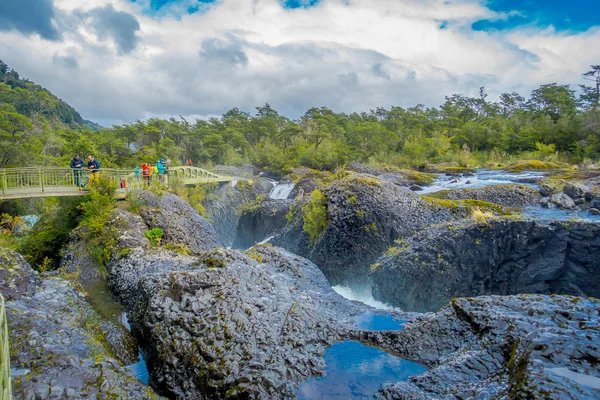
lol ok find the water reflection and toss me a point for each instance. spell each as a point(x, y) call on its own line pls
point(356, 371)
point(377, 322)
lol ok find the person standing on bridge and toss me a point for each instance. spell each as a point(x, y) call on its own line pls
point(77, 166)
point(94, 167)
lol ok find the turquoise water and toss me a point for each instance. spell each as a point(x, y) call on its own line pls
point(356, 371)
point(140, 370)
point(377, 322)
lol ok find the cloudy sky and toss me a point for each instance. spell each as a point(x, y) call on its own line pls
point(116, 61)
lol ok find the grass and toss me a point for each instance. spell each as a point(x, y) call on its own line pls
point(481, 217)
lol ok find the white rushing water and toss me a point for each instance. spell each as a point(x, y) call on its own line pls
point(281, 191)
point(480, 178)
point(364, 296)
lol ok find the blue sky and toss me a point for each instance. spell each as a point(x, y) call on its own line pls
point(573, 15)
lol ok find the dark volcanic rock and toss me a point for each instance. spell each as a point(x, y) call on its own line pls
point(227, 326)
point(57, 344)
point(365, 217)
point(516, 347)
point(179, 221)
point(221, 207)
point(504, 257)
point(504, 195)
point(265, 220)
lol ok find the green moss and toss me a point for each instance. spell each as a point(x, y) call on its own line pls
point(180, 248)
point(254, 254)
point(352, 200)
point(522, 165)
point(364, 180)
point(469, 205)
point(315, 218)
point(417, 177)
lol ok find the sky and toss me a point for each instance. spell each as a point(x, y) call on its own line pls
point(118, 61)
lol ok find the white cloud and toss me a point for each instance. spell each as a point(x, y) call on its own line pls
point(239, 53)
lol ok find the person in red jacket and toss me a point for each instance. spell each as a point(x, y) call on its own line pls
point(146, 172)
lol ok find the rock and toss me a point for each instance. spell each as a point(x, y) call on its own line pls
point(544, 201)
point(595, 203)
point(504, 195)
point(364, 217)
point(56, 337)
point(499, 347)
point(579, 201)
point(221, 206)
point(227, 325)
point(270, 175)
point(575, 190)
point(467, 182)
point(563, 201)
point(468, 174)
point(589, 196)
point(416, 188)
point(453, 180)
point(594, 211)
point(17, 278)
point(546, 190)
point(179, 221)
point(503, 257)
point(264, 220)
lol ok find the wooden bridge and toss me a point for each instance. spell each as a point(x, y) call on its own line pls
point(16, 183)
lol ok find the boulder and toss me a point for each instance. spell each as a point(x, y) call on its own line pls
point(363, 217)
point(58, 347)
point(546, 190)
point(594, 211)
point(502, 257)
point(575, 190)
point(416, 188)
point(180, 223)
point(563, 201)
point(500, 347)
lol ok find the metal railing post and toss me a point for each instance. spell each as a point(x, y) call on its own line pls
point(41, 173)
point(5, 389)
point(4, 182)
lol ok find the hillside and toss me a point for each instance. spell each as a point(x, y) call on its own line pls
point(30, 99)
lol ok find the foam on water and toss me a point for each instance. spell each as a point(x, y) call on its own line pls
point(356, 371)
point(364, 296)
point(481, 178)
point(281, 191)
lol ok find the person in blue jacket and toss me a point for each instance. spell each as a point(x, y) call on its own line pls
point(77, 166)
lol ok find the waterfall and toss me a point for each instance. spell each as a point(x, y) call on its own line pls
point(281, 191)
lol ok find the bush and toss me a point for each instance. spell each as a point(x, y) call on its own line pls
point(315, 218)
point(155, 235)
point(481, 217)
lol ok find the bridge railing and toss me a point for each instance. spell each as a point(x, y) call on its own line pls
point(61, 179)
point(5, 389)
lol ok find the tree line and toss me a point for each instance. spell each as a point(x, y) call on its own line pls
point(554, 122)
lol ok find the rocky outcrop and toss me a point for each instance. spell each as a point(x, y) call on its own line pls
point(504, 195)
point(58, 348)
point(502, 257)
point(363, 217)
point(180, 223)
point(265, 219)
point(221, 207)
point(518, 347)
point(558, 200)
point(223, 325)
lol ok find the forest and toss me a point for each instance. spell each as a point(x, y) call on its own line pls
point(554, 123)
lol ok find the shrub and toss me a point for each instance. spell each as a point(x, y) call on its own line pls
point(155, 235)
point(315, 218)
